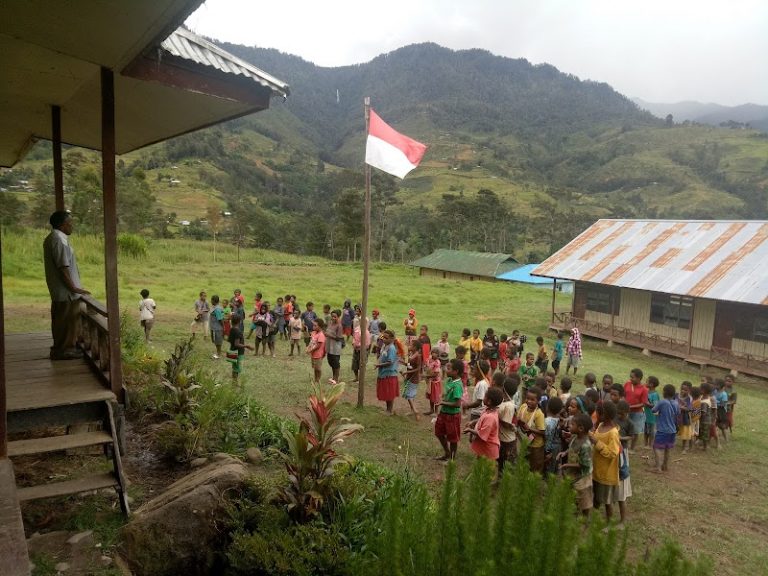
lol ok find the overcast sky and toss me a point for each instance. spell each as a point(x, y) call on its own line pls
point(657, 50)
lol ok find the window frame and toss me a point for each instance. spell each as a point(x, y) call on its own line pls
point(671, 310)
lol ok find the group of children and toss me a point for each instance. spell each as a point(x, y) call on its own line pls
point(588, 437)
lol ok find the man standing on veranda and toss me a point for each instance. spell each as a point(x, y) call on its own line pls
point(63, 279)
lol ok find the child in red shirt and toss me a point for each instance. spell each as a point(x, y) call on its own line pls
point(485, 432)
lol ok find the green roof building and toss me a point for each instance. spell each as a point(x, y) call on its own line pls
point(464, 265)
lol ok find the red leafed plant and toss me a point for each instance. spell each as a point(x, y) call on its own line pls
point(311, 455)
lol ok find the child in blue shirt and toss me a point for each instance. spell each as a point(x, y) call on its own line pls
point(666, 412)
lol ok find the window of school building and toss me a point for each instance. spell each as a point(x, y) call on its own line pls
point(599, 299)
point(753, 327)
point(671, 310)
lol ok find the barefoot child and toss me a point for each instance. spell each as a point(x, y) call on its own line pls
point(316, 348)
point(625, 435)
point(706, 414)
point(552, 443)
point(294, 328)
point(387, 387)
point(448, 424)
point(530, 421)
point(434, 381)
point(666, 412)
point(237, 348)
point(507, 428)
point(684, 429)
point(484, 433)
point(579, 462)
point(216, 325)
point(412, 375)
point(444, 351)
point(482, 383)
point(650, 417)
point(605, 459)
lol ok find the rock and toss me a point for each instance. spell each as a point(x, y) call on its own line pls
point(198, 462)
point(254, 455)
point(61, 567)
point(177, 532)
point(105, 560)
point(221, 456)
point(80, 537)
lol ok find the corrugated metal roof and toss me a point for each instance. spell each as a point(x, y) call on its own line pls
point(721, 260)
point(472, 263)
point(523, 274)
point(188, 45)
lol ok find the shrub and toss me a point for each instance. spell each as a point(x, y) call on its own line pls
point(132, 245)
point(471, 532)
point(289, 549)
point(311, 454)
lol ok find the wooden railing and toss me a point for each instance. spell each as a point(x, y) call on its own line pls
point(739, 359)
point(622, 334)
point(743, 361)
point(94, 337)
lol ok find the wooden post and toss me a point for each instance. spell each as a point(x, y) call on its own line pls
point(366, 260)
point(554, 294)
point(690, 327)
point(3, 410)
point(110, 228)
point(58, 172)
point(613, 310)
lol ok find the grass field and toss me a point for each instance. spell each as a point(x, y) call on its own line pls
point(712, 503)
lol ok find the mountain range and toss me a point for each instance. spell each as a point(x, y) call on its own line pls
point(521, 158)
point(752, 115)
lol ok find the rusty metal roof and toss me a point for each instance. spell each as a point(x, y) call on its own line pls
point(188, 45)
point(464, 262)
point(716, 259)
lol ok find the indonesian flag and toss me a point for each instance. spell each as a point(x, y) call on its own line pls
point(389, 150)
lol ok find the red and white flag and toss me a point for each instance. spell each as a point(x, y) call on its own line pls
point(390, 151)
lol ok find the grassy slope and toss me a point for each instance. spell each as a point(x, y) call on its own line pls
point(611, 163)
point(713, 503)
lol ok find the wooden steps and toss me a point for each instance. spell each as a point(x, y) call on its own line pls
point(95, 482)
point(57, 443)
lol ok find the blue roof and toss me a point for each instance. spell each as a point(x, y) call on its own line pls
point(523, 274)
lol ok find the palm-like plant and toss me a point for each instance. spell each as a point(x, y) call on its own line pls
point(311, 454)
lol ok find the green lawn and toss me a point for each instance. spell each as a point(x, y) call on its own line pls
point(712, 503)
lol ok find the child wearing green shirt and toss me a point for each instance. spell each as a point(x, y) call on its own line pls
point(448, 423)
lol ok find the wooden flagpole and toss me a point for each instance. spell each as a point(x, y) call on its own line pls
point(366, 260)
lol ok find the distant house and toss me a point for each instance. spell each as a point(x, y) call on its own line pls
point(463, 265)
point(522, 275)
point(697, 290)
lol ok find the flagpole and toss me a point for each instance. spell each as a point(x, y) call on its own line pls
point(366, 260)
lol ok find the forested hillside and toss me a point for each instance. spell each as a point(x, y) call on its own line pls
point(521, 158)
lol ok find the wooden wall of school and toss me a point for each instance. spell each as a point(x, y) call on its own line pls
point(446, 275)
point(635, 314)
point(759, 349)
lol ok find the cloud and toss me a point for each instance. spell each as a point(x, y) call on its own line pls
point(668, 50)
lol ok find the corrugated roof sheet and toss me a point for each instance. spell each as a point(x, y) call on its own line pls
point(523, 274)
point(473, 263)
point(721, 260)
point(188, 45)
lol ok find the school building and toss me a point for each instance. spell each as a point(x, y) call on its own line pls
point(465, 265)
point(697, 290)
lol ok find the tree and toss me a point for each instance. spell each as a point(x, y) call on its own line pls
point(669, 120)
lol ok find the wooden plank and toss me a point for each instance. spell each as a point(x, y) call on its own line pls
point(96, 482)
point(35, 400)
point(14, 559)
point(56, 443)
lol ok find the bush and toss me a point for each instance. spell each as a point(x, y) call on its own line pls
point(132, 245)
point(526, 525)
point(289, 549)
